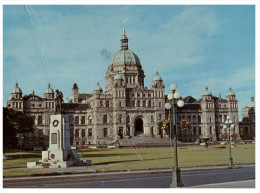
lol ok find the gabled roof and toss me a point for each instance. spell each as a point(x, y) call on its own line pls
point(189, 99)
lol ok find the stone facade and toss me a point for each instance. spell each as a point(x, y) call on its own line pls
point(126, 108)
point(247, 125)
point(207, 116)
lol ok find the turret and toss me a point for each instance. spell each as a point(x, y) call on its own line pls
point(49, 93)
point(75, 93)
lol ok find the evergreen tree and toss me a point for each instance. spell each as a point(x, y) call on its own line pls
point(15, 122)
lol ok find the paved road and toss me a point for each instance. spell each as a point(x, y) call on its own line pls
point(190, 179)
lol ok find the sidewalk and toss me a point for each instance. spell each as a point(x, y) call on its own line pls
point(78, 172)
point(237, 184)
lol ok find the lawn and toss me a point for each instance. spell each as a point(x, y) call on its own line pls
point(127, 159)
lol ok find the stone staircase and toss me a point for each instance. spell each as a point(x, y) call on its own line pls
point(145, 141)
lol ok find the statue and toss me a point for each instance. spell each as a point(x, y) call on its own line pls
point(59, 100)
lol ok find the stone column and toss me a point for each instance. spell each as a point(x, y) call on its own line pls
point(132, 130)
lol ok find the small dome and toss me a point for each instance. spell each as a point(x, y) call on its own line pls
point(251, 104)
point(118, 77)
point(230, 92)
point(49, 90)
point(17, 90)
point(98, 88)
point(207, 92)
point(157, 77)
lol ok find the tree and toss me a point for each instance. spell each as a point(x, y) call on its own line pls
point(15, 122)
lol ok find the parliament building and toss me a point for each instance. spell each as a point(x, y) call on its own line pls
point(125, 109)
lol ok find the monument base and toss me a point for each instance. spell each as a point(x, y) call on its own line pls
point(59, 153)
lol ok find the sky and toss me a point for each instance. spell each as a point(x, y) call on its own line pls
point(193, 46)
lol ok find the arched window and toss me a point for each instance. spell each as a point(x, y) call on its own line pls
point(138, 103)
point(89, 120)
point(152, 118)
point(76, 120)
point(40, 120)
point(144, 103)
point(83, 120)
point(189, 118)
point(194, 119)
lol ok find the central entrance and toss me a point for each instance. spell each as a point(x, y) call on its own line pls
point(139, 128)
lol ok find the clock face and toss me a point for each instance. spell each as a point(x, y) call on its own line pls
point(55, 123)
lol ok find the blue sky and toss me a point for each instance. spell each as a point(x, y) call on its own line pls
point(192, 46)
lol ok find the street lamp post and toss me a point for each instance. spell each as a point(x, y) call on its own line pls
point(229, 125)
point(174, 101)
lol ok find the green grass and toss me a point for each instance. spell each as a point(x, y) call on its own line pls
point(126, 159)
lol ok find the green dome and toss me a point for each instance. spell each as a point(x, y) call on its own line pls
point(17, 90)
point(118, 77)
point(49, 90)
point(125, 57)
point(98, 88)
point(207, 92)
point(230, 92)
point(157, 77)
point(251, 104)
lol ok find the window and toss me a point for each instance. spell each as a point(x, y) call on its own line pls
point(83, 120)
point(199, 130)
point(107, 103)
point(194, 119)
point(144, 103)
point(194, 130)
point(83, 133)
point(76, 120)
point(133, 103)
point(220, 118)
point(152, 118)
point(40, 120)
point(33, 117)
point(160, 104)
point(199, 119)
point(89, 119)
point(77, 133)
point(210, 130)
point(138, 103)
point(149, 104)
point(101, 103)
point(90, 132)
point(105, 131)
point(120, 118)
point(105, 119)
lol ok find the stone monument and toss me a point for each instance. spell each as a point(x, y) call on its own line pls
point(59, 153)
